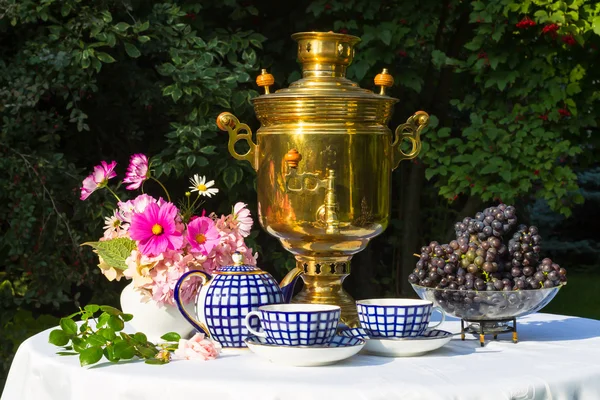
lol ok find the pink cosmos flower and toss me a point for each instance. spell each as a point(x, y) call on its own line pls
point(202, 235)
point(242, 215)
point(155, 229)
point(137, 171)
point(197, 348)
point(98, 179)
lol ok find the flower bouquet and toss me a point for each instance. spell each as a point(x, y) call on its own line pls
point(153, 242)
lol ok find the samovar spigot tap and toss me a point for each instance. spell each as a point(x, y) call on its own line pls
point(309, 182)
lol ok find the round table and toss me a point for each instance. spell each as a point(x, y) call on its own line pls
point(557, 357)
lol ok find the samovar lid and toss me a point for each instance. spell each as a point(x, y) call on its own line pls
point(324, 57)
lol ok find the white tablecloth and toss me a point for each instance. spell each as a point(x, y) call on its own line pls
point(557, 357)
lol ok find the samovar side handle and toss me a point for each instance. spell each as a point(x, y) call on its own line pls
point(411, 130)
point(228, 122)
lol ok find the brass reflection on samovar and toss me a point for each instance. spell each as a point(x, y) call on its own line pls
point(324, 157)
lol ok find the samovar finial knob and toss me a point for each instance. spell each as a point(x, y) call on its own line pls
point(292, 158)
point(265, 80)
point(385, 80)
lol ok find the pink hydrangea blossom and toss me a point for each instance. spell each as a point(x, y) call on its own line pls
point(98, 179)
point(202, 235)
point(166, 273)
point(137, 171)
point(197, 348)
point(155, 229)
point(244, 221)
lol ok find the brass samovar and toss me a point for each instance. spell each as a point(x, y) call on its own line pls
point(324, 157)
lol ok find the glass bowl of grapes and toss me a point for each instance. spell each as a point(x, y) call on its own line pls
point(481, 276)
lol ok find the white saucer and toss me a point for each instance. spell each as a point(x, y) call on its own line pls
point(401, 347)
point(339, 349)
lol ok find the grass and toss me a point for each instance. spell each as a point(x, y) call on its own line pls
point(580, 297)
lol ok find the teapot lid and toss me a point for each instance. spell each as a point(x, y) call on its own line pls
point(238, 267)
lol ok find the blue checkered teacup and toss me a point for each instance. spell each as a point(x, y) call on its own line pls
point(396, 317)
point(296, 324)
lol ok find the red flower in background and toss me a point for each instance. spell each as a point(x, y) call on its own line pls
point(569, 39)
point(344, 31)
point(525, 23)
point(402, 53)
point(564, 112)
point(482, 54)
point(544, 117)
point(550, 29)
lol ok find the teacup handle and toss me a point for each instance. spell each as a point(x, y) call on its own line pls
point(262, 334)
point(438, 309)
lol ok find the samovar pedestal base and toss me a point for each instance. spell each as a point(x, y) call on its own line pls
point(323, 278)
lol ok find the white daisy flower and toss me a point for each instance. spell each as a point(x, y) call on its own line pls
point(112, 223)
point(204, 188)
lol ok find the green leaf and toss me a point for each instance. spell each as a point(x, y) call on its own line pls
point(114, 252)
point(122, 26)
point(124, 350)
point(103, 320)
point(92, 308)
point(58, 338)
point(108, 333)
point(89, 356)
point(143, 39)
point(386, 37)
point(177, 93)
point(154, 361)
point(105, 57)
point(596, 25)
point(191, 159)
point(111, 310)
point(171, 337)
point(116, 323)
point(96, 340)
point(139, 337)
point(66, 353)
point(230, 177)
point(131, 50)
point(208, 149)
point(444, 132)
point(127, 317)
point(69, 326)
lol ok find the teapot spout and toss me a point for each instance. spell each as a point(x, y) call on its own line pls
point(288, 283)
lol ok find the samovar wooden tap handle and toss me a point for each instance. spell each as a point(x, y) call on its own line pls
point(237, 131)
point(411, 130)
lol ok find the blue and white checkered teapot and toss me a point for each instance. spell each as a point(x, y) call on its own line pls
point(227, 296)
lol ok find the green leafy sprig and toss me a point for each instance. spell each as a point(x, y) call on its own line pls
point(104, 337)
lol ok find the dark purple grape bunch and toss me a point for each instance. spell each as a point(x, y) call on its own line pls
point(493, 221)
point(478, 258)
point(436, 267)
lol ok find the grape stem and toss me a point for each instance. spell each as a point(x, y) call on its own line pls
point(417, 255)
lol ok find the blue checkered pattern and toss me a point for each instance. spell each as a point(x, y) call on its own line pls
point(337, 341)
point(230, 297)
point(299, 328)
point(394, 321)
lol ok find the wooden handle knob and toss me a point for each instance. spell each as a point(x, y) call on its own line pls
point(292, 158)
point(265, 80)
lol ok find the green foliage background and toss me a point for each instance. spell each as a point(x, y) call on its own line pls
point(514, 118)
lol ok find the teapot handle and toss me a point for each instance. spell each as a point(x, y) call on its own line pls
point(204, 277)
point(288, 283)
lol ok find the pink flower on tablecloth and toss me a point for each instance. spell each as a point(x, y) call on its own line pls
point(155, 229)
point(197, 348)
point(98, 179)
point(244, 221)
point(137, 171)
point(202, 235)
